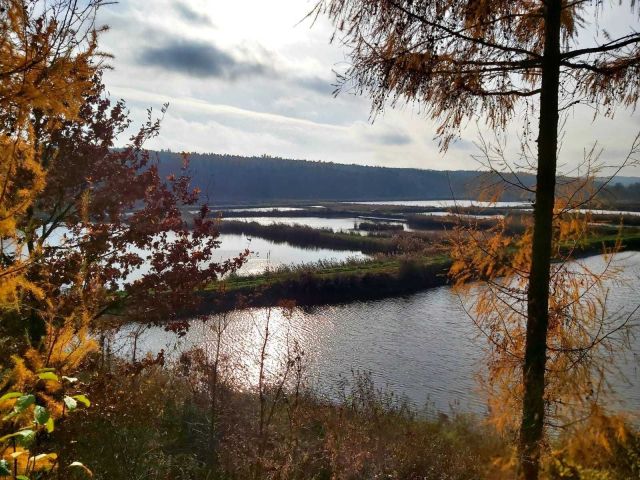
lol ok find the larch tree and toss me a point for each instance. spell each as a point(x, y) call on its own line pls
point(48, 57)
point(463, 60)
point(47, 60)
point(586, 339)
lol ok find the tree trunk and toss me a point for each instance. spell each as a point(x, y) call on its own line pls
point(533, 407)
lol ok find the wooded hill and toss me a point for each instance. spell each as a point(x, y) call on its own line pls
point(234, 179)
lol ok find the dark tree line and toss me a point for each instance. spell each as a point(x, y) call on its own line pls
point(230, 178)
point(236, 179)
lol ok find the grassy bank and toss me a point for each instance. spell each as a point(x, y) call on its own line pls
point(516, 221)
point(324, 283)
point(264, 433)
point(346, 210)
point(613, 219)
point(380, 227)
point(607, 240)
point(328, 283)
point(447, 222)
point(332, 210)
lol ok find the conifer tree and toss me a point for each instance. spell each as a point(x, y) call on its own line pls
point(462, 60)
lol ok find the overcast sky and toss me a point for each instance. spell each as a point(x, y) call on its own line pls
point(248, 77)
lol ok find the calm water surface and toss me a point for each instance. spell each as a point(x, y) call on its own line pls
point(421, 346)
point(266, 254)
point(476, 203)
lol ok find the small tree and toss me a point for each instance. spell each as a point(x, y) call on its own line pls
point(84, 227)
point(584, 338)
point(48, 57)
point(463, 60)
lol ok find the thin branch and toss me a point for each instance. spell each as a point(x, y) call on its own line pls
point(607, 47)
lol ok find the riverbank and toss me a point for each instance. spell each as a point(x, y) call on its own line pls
point(326, 283)
point(278, 426)
point(345, 210)
point(203, 429)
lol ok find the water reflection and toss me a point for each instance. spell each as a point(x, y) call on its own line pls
point(265, 255)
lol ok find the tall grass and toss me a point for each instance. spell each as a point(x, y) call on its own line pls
point(380, 227)
point(309, 237)
point(327, 282)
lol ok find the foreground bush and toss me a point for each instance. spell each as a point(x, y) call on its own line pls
point(154, 421)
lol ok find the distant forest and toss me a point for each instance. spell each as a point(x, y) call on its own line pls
point(230, 179)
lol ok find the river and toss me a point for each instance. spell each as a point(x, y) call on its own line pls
point(421, 346)
point(446, 203)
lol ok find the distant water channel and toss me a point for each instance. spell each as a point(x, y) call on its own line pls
point(334, 224)
point(445, 203)
point(268, 255)
point(421, 346)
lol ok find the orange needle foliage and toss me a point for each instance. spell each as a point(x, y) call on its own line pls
point(583, 338)
point(43, 67)
point(48, 58)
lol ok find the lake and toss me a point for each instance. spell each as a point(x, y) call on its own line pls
point(421, 346)
point(265, 254)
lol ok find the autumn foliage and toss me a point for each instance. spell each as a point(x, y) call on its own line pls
point(495, 61)
point(92, 234)
point(583, 338)
point(87, 230)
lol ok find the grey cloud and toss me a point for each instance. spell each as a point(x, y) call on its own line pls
point(391, 138)
point(317, 84)
point(191, 15)
point(206, 60)
point(200, 59)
